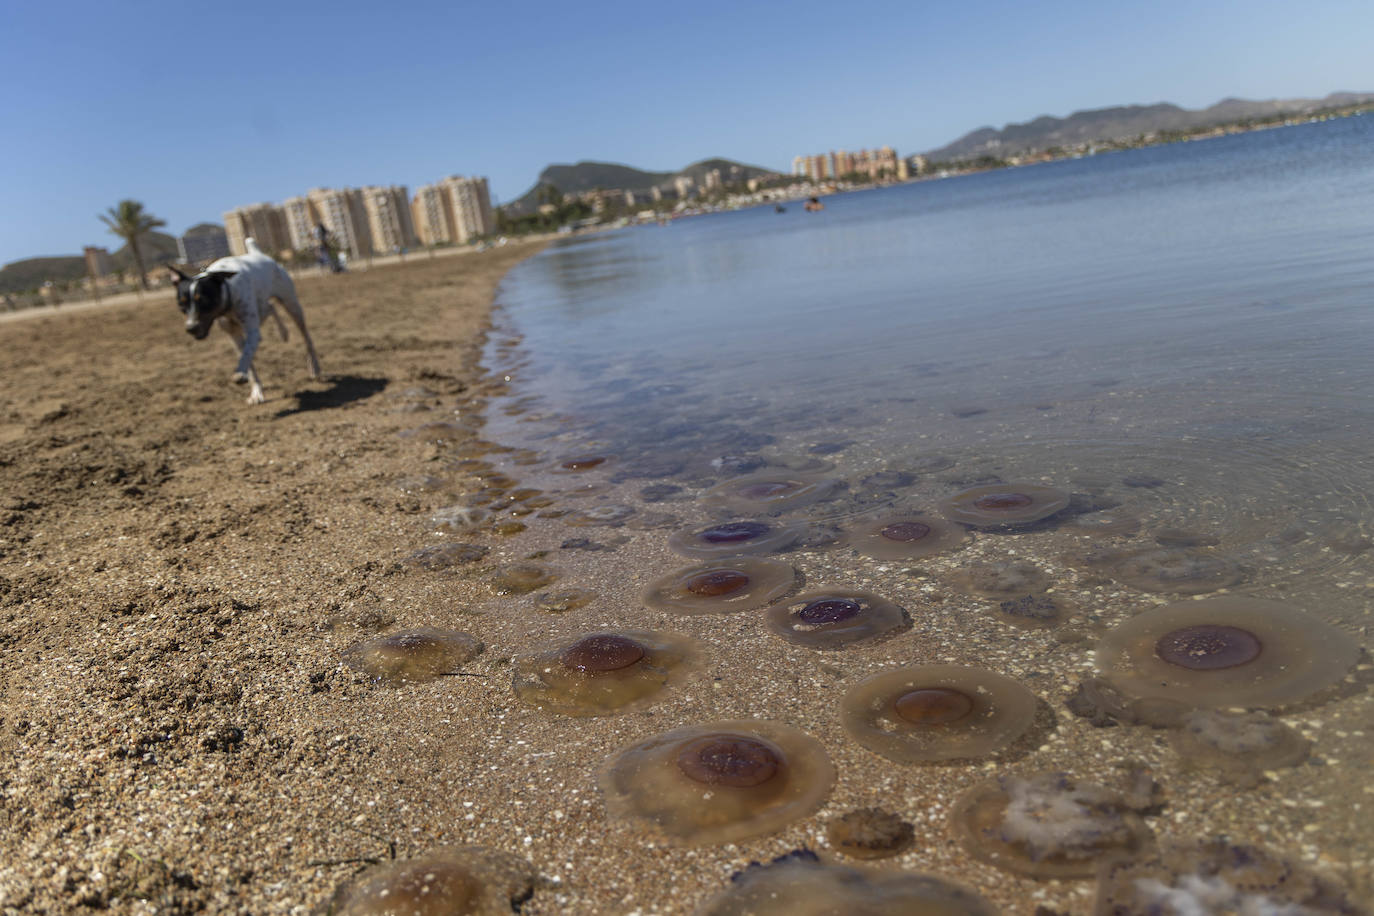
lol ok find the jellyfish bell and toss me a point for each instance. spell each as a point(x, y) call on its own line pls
point(932, 713)
point(1003, 505)
point(1230, 650)
point(835, 618)
point(421, 654)
point(604, 673)
point(770, 493)
point(718, 782)
point(735, 538)
point(441, 882)
point(721, 586)
point(904, 536)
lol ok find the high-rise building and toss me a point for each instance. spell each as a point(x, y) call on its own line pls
point(263, 223)
point(432, 214)
point(343, 214)
point(204, 245)
point(301, 219)
point(388, 217)
point(470, 200)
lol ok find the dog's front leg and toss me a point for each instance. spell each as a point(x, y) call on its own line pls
point(246, 338)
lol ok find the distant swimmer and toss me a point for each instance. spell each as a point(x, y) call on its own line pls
point(813, 205)
point(779, 208)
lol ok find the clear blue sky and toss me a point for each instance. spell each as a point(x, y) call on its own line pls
point(194, 112)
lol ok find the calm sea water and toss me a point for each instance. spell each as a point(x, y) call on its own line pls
point(1201, 312)
point(1181, 335)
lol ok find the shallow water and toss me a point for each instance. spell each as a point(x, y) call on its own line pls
point(1181, 334)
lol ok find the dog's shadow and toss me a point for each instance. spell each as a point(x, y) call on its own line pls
point(342, 390)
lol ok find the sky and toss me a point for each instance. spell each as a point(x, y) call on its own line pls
point(194, 111)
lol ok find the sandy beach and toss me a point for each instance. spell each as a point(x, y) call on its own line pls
point(182, 575)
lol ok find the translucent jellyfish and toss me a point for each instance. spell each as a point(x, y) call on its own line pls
point(1000, 579)
point(442, 882)
point(1004, 505)
point(799, 884)
point(1238, 747)
point(768, 493)
point(719, 782)
point(834, 618)
point(1230, 650)
point(413, 655)
point(721, 586)
point(738, 538)
point(904, 536)
point(611, 515)
point(522, 578)
point(444, 556)
point(603, 673)
point(931, 713)
point(1215, 876)
point(869, 833)
point(1178, 571)
point(1047, 825)
point(1036, 611)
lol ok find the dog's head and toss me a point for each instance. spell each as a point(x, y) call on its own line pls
point(202, 299)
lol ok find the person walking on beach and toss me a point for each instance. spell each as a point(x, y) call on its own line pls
point(325, 251)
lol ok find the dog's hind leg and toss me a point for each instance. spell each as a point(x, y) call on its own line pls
point(281, 325)
point(293, 308)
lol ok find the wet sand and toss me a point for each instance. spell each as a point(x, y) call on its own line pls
point(180, 575)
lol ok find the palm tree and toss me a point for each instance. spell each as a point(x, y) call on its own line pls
point(128, 221)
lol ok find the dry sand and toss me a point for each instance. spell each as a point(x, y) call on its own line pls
point(180, 574)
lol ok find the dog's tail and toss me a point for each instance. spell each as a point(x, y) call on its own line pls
point(252, 246)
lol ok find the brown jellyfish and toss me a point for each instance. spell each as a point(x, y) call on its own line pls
point(870, 833)
point(768, 493)
point(721, 586)
point(739, 538)
point(1047, 825)
point(719, 782)
point(1238, 747)
point(522, 578)
point(904, 536)
point(564, 600)
point(1216, 876)
point(421, 654)
point(465, 879)
point(931, 713)
point(799, 884)
point(444, 556)
point(835, 618)
point(576, 463)
point(1226, 651)
point(602, 673)
point(1178, 571)
point(611, 515)
point(1003, 505)
point(1001, 579)
point(1036, 611)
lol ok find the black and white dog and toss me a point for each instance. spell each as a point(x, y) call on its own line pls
point(239, 292)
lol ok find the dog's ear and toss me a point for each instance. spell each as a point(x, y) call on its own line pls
point(177, 275)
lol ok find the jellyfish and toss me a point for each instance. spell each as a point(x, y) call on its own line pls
point(447, 880)
point(413, 655)
point(737, 538)
point(603, 673)
point(719, 782)
point(929, 713)
point(904, 536)
point(835, 618)
point(767, 493)
point(1003, 505)
point(721, 586)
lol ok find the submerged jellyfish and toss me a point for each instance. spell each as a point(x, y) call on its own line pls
point(413, 655)
point(602, 673)
point(799, 884)
point(1215, 876)
point(904, 536)
point(835, 618)
point(870, 833)
point(768, 493)
point(1047, 825)
point(719, 782)
point(444, 881)
point(722, 586)
point(931, 713)
point(1003, 505)
point(748, 536)
point(1226, 651)
point(1238, 747)
point(1180, 571)
point(1001, 579)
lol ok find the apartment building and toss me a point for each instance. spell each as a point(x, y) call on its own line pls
point(97, 261)
point(263, 223)
point(342, 212)
point(470, 199)
point(432, 214)
point(389, 217)
point(301, 219)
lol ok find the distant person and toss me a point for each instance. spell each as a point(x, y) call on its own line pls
point(326, 250)
point(814, 205)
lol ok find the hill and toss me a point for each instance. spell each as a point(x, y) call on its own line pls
point(29, 273)
point(588, 176)
point(1124, 123)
